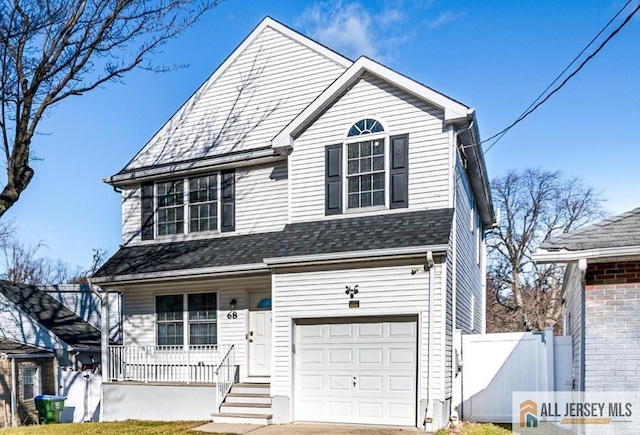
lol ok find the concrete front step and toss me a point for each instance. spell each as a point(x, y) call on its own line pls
point(251, 388)
point(248, 398)
point(234, 418)
point(246, 408)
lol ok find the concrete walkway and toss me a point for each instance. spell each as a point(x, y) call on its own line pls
point(305, 429)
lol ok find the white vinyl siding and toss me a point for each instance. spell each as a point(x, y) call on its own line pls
point(469, 273)
point(400, 114)
point(23, 328)
point(383, 290)
point(261, 205)
point(131, 215)
point(139, 313)
point(261, 200)
point(246, 105)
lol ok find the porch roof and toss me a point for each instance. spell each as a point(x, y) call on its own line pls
point(333, 236)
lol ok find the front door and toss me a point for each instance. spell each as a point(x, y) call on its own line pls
point(260, 334)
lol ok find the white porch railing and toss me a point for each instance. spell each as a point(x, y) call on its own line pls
point(225, 376)
point(169, 364)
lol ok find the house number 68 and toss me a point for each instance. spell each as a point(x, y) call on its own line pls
point(233, 315)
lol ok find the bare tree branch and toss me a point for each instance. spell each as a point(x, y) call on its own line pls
point(535, 206)
point(52, 50)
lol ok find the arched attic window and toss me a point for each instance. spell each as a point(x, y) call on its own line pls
point(365, 126)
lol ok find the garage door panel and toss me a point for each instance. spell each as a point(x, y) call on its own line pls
point(368, 372)
point(370, 330)
point(339, 383)
point(370, 356)
point(401, 356)
point(311, 382)
point(339, 331)
point(371, 383)
point(340, 356)
point(402, 330)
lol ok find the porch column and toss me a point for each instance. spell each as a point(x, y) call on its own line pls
point(104, 335)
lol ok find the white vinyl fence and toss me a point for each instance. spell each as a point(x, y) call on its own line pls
point(495, 365)
point(82, 390)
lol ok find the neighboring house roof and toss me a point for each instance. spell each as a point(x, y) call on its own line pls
point(13, 347)
point(51, 314)
point(614, 236)
point(395, 232)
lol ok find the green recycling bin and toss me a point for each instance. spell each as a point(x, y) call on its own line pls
point(49, 408)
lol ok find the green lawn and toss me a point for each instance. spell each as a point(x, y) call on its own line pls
point(476, 429)
point(122, 427)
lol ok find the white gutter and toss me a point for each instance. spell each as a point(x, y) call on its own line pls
point(177, 274)
point(252, 157)
point(565, 256)
point(340, 257)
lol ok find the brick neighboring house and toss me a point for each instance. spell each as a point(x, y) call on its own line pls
point(601, 301)
point(33, 370)
point(41, 331)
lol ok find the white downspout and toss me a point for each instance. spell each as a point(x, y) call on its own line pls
point(428, 419)
point(14, 388)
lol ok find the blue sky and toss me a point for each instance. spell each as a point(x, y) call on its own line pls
point(494, 56)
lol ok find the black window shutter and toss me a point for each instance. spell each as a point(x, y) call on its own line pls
point(228, 200)
point(399, 167)
point(147, 210)
point(333, 178)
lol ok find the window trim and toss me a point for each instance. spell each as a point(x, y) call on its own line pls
point(186, 322)
point(37, 380)
point(186, 206)
point(385, 137)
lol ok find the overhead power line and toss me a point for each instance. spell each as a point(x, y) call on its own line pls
point(537, 102)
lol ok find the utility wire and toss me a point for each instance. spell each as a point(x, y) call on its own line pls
point(503, 132)
point(531, 109)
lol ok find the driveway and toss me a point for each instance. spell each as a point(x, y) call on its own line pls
point(305, 429)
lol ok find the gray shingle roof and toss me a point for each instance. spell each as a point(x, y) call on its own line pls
point(614, 232)
point(397, 230)
point(385, 231)
point(51, 314)
point(192, 254)
point(14, 347)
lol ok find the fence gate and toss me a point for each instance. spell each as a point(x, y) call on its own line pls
point(82, 390)
point(495, 365)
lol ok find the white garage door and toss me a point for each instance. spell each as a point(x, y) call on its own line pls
point(356, 371)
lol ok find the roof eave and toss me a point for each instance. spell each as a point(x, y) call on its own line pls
point(205, 272)
point(453, 110)
point(234, 160)
point(354, 256)
point(477, 170)
point(569, 256)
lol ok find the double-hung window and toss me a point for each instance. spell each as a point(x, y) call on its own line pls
point(30, 382)
point(170, 320)
point(187, 205)
point(186, 319)
point(369, 168)
point(366, 164)
point(170, 196)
